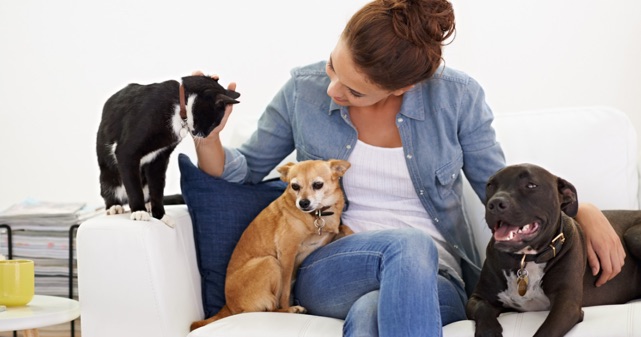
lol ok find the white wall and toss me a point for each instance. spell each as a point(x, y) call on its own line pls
point(60, 60)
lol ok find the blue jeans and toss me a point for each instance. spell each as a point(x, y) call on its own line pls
point(382, 283)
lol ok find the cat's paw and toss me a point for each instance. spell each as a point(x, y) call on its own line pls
point(115, 209)
point(168, 221)
point(140, 215)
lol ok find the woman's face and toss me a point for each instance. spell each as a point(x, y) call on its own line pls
point(348, 86)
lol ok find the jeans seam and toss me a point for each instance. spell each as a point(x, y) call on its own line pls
point(379, 255)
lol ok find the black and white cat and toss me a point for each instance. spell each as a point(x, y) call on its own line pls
point(141, 125)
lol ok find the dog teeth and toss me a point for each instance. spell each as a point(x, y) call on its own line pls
point(524, 229)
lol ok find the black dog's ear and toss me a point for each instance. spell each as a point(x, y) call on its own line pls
point(567, 195)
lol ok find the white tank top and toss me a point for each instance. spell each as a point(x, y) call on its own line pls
point(381, 196)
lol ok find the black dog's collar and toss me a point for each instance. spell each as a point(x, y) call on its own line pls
point(549, 252)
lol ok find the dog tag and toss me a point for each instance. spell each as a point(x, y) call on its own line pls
point(522, 281)
point(319, 223)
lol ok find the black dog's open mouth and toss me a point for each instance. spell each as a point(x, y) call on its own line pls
point(504, 231)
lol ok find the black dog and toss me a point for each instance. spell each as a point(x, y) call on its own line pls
point(537, 257)
point(141, 125)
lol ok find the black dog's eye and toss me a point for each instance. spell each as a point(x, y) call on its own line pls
point(532, 185)
point(295, 187)
point(489, 187)
point(317, 185)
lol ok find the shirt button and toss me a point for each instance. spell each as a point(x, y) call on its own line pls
point(453, 175)
point(435, 219)
point(455, 246)
point(344, 116)
point(400, 120)
point(348, 146)
point(421, 192)
point(409, 156)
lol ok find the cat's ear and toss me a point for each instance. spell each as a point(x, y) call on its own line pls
point(233, 94)
point(224, 100)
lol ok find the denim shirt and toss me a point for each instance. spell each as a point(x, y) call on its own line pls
point(445, 129)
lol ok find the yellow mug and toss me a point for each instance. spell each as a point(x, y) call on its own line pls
point(16, 282)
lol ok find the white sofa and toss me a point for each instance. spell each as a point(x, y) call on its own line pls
point(141, 278)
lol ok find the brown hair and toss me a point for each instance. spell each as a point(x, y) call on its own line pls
point(397, 43)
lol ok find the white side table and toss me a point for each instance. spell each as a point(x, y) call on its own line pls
point(40, 312)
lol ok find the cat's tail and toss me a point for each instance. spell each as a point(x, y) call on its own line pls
point(173, 199)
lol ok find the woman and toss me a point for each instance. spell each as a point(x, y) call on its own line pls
point(408, 127)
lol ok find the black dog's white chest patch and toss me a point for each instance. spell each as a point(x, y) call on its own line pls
point(534, 298)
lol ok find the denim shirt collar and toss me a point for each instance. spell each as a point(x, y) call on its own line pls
point(334, 107)
point(413, 102)
point(412, 107)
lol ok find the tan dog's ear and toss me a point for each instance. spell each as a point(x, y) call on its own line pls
point(284, 170)
point(338, 167)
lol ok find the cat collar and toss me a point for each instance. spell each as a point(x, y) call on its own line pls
point(181, 97)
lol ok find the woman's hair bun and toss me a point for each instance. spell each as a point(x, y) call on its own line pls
point(422, 22)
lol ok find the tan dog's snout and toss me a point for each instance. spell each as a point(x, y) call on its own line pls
point(309, 195)
point(304, 204)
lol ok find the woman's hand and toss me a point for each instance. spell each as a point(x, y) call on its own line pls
point(605, 250)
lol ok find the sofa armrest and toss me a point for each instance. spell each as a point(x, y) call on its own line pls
point(138, 278)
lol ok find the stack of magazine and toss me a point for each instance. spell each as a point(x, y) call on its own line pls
point(41, 231)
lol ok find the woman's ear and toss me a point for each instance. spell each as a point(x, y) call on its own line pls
point(399, 92)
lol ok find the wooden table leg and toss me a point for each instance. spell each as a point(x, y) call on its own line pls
point(30, 333)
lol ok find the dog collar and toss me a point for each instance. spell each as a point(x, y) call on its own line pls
point(181, 97)
point(321, 212)
point(546, 255)
point(319, 222)
point(550, 251)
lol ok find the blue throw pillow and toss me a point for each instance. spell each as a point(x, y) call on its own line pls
point(220, 211)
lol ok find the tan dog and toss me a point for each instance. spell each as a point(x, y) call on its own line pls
point(265, 261)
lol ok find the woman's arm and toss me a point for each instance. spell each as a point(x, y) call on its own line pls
point(605, 250)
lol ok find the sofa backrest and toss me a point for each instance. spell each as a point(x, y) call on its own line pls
point(594, 148)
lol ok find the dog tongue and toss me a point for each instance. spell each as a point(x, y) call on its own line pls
point(507, 232)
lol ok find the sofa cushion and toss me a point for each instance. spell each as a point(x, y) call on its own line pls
point(271, 324)
point(220, 212)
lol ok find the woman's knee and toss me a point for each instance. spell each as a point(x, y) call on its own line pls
point(414, 246)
